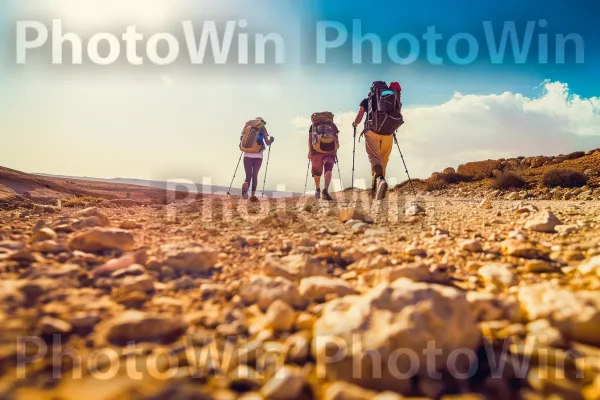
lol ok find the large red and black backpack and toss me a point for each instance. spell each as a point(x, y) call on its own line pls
point(385, 108)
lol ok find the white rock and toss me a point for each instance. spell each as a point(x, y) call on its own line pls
point(190, 257)
point(490, 307)
point(346, 391)
point(404, 315)
point(414, 209)
point(280, 316)
point(564, 230)
point(54, 326)
point(415, 272)
point(575, 313)
point(317, 287)
point(486, 204)
point(264, 290)
point(143, 283)
point(544, 221)
point(101, 239)
point(293, 267)
point(42, 235)
point(497, 274)
point(287, 383)
point(94, 212)
point(590, 267)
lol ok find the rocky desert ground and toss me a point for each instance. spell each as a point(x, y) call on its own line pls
point(462, 292)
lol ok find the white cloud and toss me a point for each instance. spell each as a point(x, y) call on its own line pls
point(475, 127)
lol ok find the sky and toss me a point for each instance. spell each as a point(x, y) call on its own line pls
point(462, 100)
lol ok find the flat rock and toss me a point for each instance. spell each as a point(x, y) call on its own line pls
point(490, 307)
point(590, 267)
point(54, 326)
point(264, 290)
point(544, 221)
point(190, 257)
point(413, 209)
point(416, 272)
point(103, 220)
point(347, 214)
point(43, 235)
point(317, 287)
point(575, 313)
point(137, 326)
point(286, 384)
point(525, 249)
point(279, 317)
point(473, 246)
point(293, 267)
point(101, 239)
point(498, 274)
point(346, 391)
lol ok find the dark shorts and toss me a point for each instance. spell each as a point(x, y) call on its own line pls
point(320, 162)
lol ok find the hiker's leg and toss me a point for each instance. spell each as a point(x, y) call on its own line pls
point(255, 169)
point(373, 145)
point(328, 169)
point(317, 169)
point(248, 169)
point(387, 144)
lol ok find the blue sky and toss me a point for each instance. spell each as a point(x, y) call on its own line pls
point(181, 122)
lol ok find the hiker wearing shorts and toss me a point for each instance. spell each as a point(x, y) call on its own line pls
point(252, 164)
point(321, 164)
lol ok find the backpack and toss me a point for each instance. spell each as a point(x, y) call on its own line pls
point(324, 133)
point(252, 139)
point(385, 108)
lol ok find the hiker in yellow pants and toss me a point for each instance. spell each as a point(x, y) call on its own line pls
point(379, 148)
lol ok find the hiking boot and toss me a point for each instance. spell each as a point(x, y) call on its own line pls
point(318, 194)
point(254, 199)
point(245, 188)
point(326, 195)
point(381, 188)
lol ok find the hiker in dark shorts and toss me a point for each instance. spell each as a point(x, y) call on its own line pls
point(252, 164)
point(321, 164)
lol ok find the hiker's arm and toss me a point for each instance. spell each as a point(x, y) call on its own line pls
point(359, 117)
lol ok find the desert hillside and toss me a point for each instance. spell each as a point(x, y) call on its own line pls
point(20, 189)
point(563, 177)
point(465, 291)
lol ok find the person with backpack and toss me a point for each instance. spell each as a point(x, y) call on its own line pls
point(253, 143)
point(383, 110)
point(323, 144)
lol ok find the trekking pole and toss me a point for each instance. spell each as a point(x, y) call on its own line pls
point(339, 173)
point(353, 154)
point(266, 169)
point(306, 183)
point(234, 174)
point(405, 168)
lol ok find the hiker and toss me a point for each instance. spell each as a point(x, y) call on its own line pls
point(323, 144)
point(382, 109)
point(253, 143)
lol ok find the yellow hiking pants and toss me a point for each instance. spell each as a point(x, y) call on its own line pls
point(379, 147)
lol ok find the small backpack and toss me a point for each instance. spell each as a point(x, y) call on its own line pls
point(385, 108)
point(252, 139)
point(324, 133)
